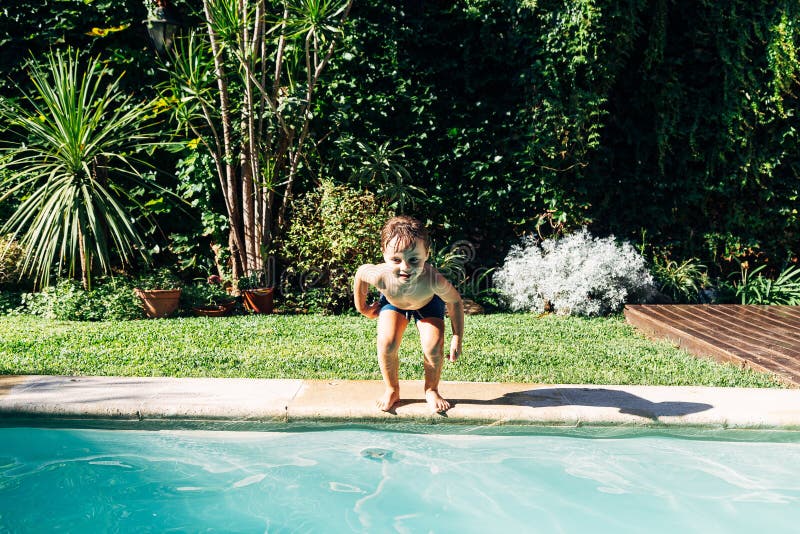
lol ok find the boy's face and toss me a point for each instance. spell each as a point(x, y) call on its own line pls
point(407, 264)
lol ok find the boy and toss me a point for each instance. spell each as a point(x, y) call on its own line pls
point(409, 288)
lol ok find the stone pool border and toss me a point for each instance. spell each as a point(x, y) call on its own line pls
point(139, 401)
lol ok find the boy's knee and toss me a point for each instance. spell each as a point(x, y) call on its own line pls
point(434, 354)
point(433, 345)
point(388, 345)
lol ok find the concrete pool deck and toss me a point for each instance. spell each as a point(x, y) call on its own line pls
point(264, 401)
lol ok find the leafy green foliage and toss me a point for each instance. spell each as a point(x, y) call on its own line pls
point(450, 262)
point(454, 263)
point(511, 115)
point(335, 230)
point(244, 84)
point(205, 293)
point(437, 81)
point(255, 280)
point(10, 301)
point(619, 115)
point(11, 256)
point(378, 169)
point(162, 278)
point(112, 299)
point(698, 146)
point(31, 28)
point(756, 288)
point(680, 281)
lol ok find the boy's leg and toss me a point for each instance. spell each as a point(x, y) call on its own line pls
point(431, 336)
point(391, 326)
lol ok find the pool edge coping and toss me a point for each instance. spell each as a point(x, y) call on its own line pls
point(232, 402)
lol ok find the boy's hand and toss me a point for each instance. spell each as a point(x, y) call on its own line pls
point(372, 311)
point(455, 348)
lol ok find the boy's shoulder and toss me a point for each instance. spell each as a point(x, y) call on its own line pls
point(372, 274)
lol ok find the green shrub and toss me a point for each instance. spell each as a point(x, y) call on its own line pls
point(681, 282)
point(334, 230)
point(452, 263)
point(158, 279)
point(11, 255)
point(205, 293)
point(115, 300)
point(66, 300)
point(111, 299)
point(254, 280)
point(10, 301)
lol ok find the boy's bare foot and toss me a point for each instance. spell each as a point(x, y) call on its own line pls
point(389, 398)
point(436, 402)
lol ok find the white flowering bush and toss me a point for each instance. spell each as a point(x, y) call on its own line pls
point(574, 275)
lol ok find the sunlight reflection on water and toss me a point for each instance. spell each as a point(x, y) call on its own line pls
point(358, 480)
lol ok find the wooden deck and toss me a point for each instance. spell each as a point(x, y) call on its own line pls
point(765, 338)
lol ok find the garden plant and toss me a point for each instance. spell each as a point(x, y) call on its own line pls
point(244, 86)
point(72, 156)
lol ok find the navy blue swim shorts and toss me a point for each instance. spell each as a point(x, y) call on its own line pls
point(434, 308)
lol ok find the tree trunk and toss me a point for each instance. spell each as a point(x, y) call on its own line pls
point(84, 263)
point(230, 189)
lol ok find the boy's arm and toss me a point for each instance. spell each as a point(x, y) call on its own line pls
point(455, 310)
point(366, 275)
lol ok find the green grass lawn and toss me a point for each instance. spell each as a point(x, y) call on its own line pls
point(497, 348)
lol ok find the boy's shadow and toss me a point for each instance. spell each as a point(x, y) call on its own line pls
point(627, 403)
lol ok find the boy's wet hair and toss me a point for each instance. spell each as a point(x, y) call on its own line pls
point(407, 230)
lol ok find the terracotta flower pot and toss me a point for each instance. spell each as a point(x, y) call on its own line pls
point(258, 300)
point(159, 302)
point(214, 311)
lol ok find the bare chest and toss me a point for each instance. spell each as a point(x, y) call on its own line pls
point(412, 300)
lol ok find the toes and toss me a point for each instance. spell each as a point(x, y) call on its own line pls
point(436, 402)
point(385, 403)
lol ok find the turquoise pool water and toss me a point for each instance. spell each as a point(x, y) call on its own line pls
point(355, 480)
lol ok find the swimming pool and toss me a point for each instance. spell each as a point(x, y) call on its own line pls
point(357, 480)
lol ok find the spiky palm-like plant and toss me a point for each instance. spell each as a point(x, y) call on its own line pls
point(70, 158)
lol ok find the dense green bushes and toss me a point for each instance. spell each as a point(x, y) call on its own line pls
point(11, 258)
point(628, 116)
point(334, 230)
point(68, 301)
point(700, 145)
